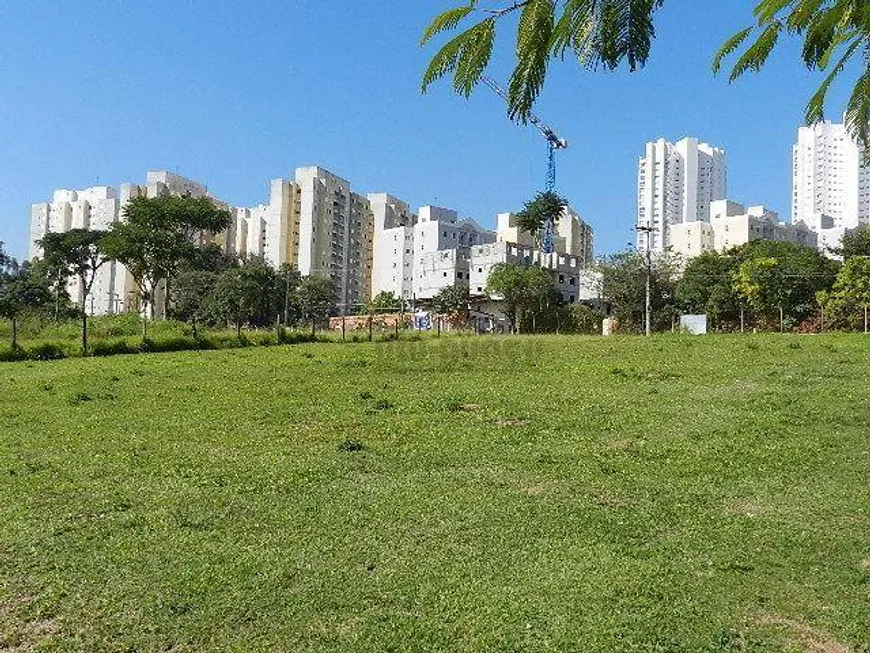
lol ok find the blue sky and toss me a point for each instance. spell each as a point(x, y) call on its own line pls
point(235, 93)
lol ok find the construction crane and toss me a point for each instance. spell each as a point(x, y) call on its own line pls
point(554, 142)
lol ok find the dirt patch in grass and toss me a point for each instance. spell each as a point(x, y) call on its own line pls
point(510, 423)
point(469, 408)
point(18, 634)
point(865, 564)
point(745, 507)
point(811, 640)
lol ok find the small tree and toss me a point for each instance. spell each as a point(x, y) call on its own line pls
point(76, 253)
point(520, 288)
point(854, 243)
point(288, 280)
point(20, 289)
point(192, 290)
point(385, 302)
point(246, 295)
point(452, 301)
point(707, 286)
point(848, 304)
point(157, 236)
point(315, 297)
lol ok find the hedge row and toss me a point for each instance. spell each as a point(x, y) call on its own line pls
point(115, 347)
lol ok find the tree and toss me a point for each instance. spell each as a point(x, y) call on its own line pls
point(156, 237)
point(608, 33)
point(520, 288)
point(20, 289)
point(624, 289)
point(76, 253)
point(246, 295)
point(288, 281)
point(385, 302)
point(541, 213)
point(315, 297)
point(781, 280)
point(452, 301)
point(854, 243)
point(707, 286)
point(847, 306)
point(192, 290)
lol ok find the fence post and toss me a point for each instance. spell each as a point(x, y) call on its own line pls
point(371, 333)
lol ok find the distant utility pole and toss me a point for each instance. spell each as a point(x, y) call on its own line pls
point(648, 231)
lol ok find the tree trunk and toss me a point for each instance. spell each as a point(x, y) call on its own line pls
point(239, 330)
point(313, 326)
point(84, 334)
point(193, 326)
point(14, 332)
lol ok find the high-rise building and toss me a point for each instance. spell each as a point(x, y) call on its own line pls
point(830, 183)
point(335, 235)
point(676, 184)
point(269, 231)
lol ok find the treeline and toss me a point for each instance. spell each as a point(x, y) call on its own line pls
point(761, 285)
point(164, 244)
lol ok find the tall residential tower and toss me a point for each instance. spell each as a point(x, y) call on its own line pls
point(676, 184)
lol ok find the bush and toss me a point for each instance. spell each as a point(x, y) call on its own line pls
point(47, 351)
point(112, 348)
point(9, 355)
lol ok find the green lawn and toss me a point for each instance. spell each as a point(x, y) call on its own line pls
point(548, 494)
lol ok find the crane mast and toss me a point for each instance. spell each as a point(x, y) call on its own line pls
point(554, 143)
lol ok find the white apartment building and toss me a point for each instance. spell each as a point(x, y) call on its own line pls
point(831, 184)
point(91, 208)
point(335, 235)
point(269, 231)
point(677, 183)
point(731, 225)
point(392, 246)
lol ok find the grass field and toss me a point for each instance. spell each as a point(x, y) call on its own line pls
point(462, 494)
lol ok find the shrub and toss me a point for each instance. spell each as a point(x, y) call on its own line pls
point(112, 348)
point(350, 446)
point(47, 351)
point(9, 355)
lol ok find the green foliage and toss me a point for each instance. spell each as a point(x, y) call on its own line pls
point(522, 290)
point(707, 287)
point(246, 295)
point(624, 290)
point(847, 303)
point(190, 296)
point(384, 302)
point(452, 302)
point(601, 33)
point(21, 289)
point(773, 276)
point(855, 242)
point(834, 32)
point(315, 297)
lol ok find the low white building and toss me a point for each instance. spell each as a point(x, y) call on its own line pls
point(575, 282)
point(731, 225)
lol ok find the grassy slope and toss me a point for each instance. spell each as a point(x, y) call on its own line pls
point(555, 494)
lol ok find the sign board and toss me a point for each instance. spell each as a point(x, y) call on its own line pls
point(694, 324)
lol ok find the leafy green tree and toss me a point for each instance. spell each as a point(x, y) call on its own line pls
point(540, 213)
point(707, 286)
point(76, 253)
point(156, 236)
point(854, 243)
point(21, 289)
point(190, 299)
point(521, 289)
point(624, 290)
point(288, 281)
point(315, 297)
point(208, 257)
point(774, 276)
point(608, 33)
point(847, 305)
point(452, 302)
point(246, 295)
point(385, 302)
